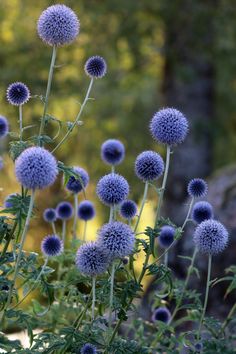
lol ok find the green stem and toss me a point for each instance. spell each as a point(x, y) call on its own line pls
point(166, 259)
point(188, 214)
point(111, 293)
point(142, 205)
point(9, 238)
point(21, 121)
point(94, 296)
point(111, 213)
point(85, 230)
point(64, 232)
point(54, 228)
point(75, 216)
point(228, 318)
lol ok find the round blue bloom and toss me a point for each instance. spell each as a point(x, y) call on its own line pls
point(169, 126)
point(18, 94)
point(88, 349)
point(8, 200)
point(91, 259)
point(36, 168)
point(50, 215)
point(211, 237)
point(86, 210)
point(95, 67)
point(167, 236)
point(202, 211)
point(125, 260)
point(52, 246)
point(128, 209)
point(112, 152)
point(112, 189)
point(4, 127)
point(197, 188)
point(64, 210)
point(198, 347)
point(58, 25)
point(161, 314)
point(117, 239)
point(76, 185)
point(149, 166)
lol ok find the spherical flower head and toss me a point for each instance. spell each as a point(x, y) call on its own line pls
point(117, 239)
point(161, 314)
point(86, 210)
point(197, 188)
point(211, 237)
point(198, 347)
point(18, 94)
point(95, 67)
point(112, 189)
point(58, 25)
point(50, 215)
point(36, 168)
point(77, 184)
point(149, 166)
point(128, 209)
point(167, 236)
point(64, 210)
point(8, 200)
point(52, 246)
point(169, 126)
point(91, 259)
point(202, 211)
point(112, 152)
point(4, 127)
point(88, 349)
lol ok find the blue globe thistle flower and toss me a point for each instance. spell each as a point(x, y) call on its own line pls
point(169, 126)
point(4, 127)
point(8, 200)
point(112, 189)
point(161, 314)
point(149, 166)
point(95, 67)
point(167, 236)
point(125, 260)
point(76, 185)
point(128, 209)
point(50, 215)
point(86, 210)
point(91, 259)
point(64, 210)
point(197, 188)
point(52, 246)
point(202, 211)
point(58, 25)
point(117, 239)
point(112, 152)
point(36, 168)
point(211, 237)
point(198, 347)
point(88, 349)
point(18, 94)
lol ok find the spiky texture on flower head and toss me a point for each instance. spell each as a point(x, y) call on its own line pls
point(112, 152)
point(52, 246)
point(169, 126)
point(58, 25)
point(149, 166)
point(202, 211)
point(197, 188)
point(8, 200)
point(64, 210)
point(161, 314)
point(91, 259)
point(211, 237)
point(4, 127)
point(18, 93)
point(77, 184)
point(95, 67)
point(112, 189)
point(86, 210)
point(88, 349)
point(50, 215)
point(167, 236)
point(128, 209)
point(117, 239)
point(36, 168)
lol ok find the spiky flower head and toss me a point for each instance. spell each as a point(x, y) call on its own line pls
point(128, 209)
point(149, 166)
point(91, 259)
point(88, 349)
point(112, 189)
point(169, 126)
point(18, 93)
point(117, 239)
point(95, 67)
point(86, 210)
point(202, 211)
point(8, 202)
point(211, 237)
point(77, 184)
point(112, 152)
point(58, 25)
point(64, 210)
point(167, 236)
point(197, 188)
point(36, 168)
point(4, 127)
point(50, 215)
point(52, 246)
point(161, 314)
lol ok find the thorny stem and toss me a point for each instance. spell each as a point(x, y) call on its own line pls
point(75, 216)
point(111, 293)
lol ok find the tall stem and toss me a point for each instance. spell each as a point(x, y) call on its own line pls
point(85, 229)
point(188, 214)
point(64, 231)
point(94, 296)
point(111, 213)
point(111, 293)
point(75, 216)
point(21, 121)
point(166, 259)
point(54, 228)
point(142, 205)
point(228, 318)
